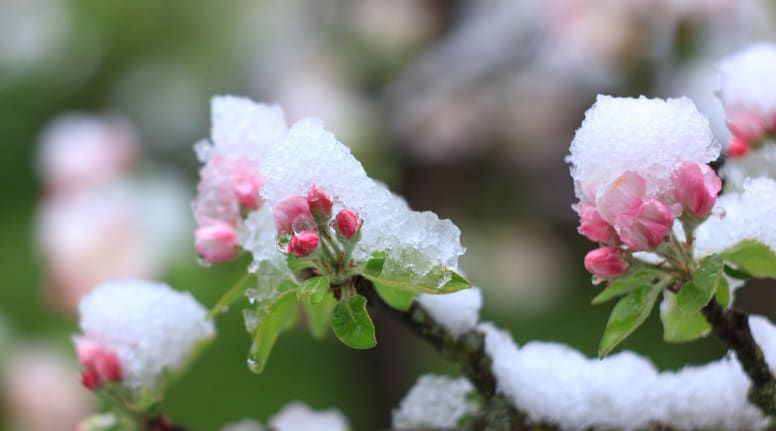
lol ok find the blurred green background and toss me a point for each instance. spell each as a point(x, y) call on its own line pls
point(466, 109)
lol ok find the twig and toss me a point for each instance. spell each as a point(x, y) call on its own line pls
point(161, 423)
point(732, 327)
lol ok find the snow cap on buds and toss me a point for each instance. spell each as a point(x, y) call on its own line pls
point(648, 137)
point(696, 187)
point(292, 215)
point(147, 326)
point(303, 243)
point(605, 262)
point(347, 223)
point(216, 241)
point(747, 93)
point(319, 203)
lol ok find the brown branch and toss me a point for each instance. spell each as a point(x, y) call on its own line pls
point(732, 328)
point(468, 351)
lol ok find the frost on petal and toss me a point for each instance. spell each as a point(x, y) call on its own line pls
point(437, 402)
point(622, 391)
point(737, 216)
point(645, 136)
point(414, 242)
point(458, 311)
point(148, 326)
point(297, 416)
point(747, 82)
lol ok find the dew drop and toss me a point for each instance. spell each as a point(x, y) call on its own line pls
point(203, 262)
point(253, 365)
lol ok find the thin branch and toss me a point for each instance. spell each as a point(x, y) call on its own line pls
point(732, 327)
point(468, 351)
point(161, 423)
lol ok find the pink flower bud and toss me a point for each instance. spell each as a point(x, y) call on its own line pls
point(293, 215)
point(89, 379)
point(98, 365)
point(592, 226)
point(246, 182)
point(648, 228)
point(737, 147)
point(303, 243)
point(216, 241)
point(319, 202)
point(605, 262)
point(695, 187)
point(347, 223)
point(746, 125)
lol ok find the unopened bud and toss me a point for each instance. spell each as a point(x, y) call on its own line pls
point(606, 262)
point(737, 147)
point(592, 226)
point(98, 365)
point(303, 243)
point(319, 203)
point(347, 223)
point(293, 215)
point(696, 187)
point(216, 241)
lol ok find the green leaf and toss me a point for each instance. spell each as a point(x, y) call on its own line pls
point(351, 323)
point(271, 323)
point(437, 280)
point(314, 288)
point(319, 315)
point(736, 273)
point(297, 265)
point(228, 298)
point(752, 257)
point(628, 314)
point(696, 293)
point(623, 285)
point(399, 299)
point(723, 293)
point(678, 325)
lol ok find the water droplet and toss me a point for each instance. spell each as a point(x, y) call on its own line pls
point(251, 300)
point(203, 262)
point(302, 224)
point(253, 365)
point(251, 320)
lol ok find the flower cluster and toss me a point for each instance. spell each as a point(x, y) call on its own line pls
point(749, 98)
point(309, 196)
point(133, 330)
point(230, 179)
point(632, 186)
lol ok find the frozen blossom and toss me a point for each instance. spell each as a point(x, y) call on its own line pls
point(747, 82)
point(311, 157)
point(646, 136)
point(553, 383)
point(148, 326)
point(78, 151)
point(437, 402)
point(744, 215)
point(298, 416)
point(242, 132)
point(458, 311)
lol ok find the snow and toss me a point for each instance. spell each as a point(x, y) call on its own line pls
point(437, 402)
point(148, 326)
point(458, 312)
